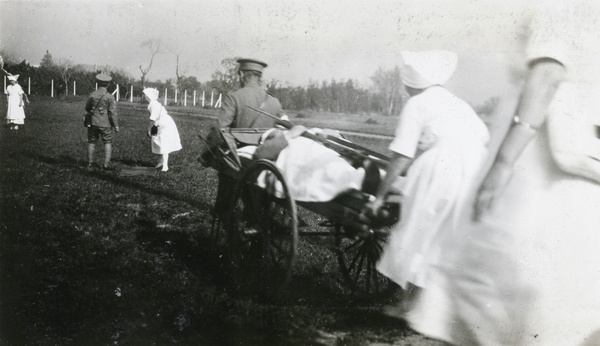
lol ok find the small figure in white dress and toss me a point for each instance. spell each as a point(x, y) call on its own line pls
point(15, 114)
point(165, 139)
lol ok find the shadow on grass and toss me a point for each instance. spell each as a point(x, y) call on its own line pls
point(112, 177)
point(197, 252)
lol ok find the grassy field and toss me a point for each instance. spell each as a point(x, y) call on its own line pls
point(94, 258)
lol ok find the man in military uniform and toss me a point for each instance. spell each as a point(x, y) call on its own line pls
point(102, 107)
point(235, 113)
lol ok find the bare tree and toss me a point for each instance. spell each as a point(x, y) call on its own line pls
point(387, 86)
point(66, 70)
point(9, 57)
point(154, 47)
point(226, 79)
point(179, 73)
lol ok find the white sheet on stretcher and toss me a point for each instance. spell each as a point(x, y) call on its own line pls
point(312, 172)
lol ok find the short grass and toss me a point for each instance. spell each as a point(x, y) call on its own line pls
point(93, 258)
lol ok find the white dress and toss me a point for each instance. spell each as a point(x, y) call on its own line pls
point(529, 273)
point(451, 139)
point(167, 139)
point(15, 113)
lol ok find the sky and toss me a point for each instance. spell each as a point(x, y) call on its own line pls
point(301, 40)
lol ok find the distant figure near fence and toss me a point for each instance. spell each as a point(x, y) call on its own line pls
point(15, 113)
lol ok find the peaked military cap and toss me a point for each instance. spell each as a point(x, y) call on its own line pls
point(251, 64)
point(102, 77)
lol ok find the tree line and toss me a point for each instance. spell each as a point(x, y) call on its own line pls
point(340, 96)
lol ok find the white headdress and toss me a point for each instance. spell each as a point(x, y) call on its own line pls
point(13, 77)
point(426, 68)
point(151, 93)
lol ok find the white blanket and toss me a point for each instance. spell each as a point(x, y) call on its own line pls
point(313, 172)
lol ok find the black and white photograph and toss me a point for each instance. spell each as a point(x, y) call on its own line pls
point(300, 172)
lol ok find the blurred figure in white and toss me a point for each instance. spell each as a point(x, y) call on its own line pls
point(442, 142)
point(527, 272)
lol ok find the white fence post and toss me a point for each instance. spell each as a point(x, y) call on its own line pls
point(185, 98)
point(202, 99)
point(5, 84)
point(131, 95)
point(52, 89)
point(28, 86)
point(194, 98)
point(116, 92)
point(176, 95)
point(74, 88)
point(218, 103)
point(212, 94)
point(166, 99)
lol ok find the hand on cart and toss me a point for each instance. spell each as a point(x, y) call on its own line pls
point(373, 209)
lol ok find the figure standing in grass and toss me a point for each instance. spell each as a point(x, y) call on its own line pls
point(102, 107)
point(165, 137)
point(15, 114)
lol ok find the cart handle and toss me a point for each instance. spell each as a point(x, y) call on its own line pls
point(342, 147)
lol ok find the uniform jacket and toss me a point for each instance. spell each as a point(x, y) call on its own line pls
point(106, 110)
point(235, 114)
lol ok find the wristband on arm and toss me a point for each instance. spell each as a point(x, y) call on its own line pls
point(518, 122)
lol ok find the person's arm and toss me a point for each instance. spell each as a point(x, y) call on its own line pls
point(575, 146)
point(21, 99)
point(154, 109)
point(227, 112)
point(578, 163)
point(272, 147)
point(398, 164)
point(403, 147)
point(88, 104)
point(112, 113)
point(543, 79)
point(280, 112)
point(276, 142)
point(149, 129)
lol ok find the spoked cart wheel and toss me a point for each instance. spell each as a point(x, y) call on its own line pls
point(262, 230)
point(357, 254)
